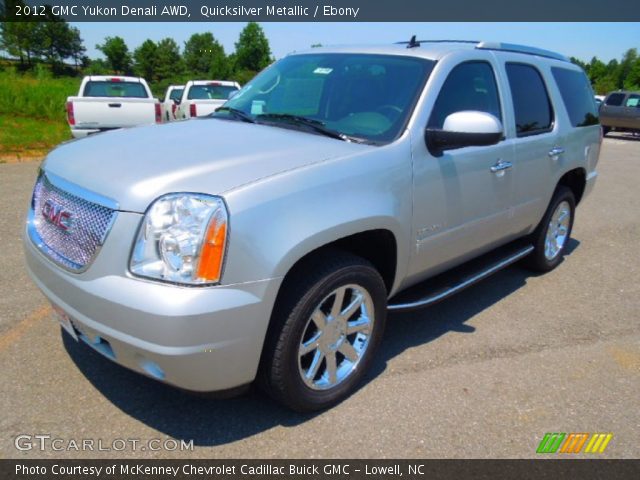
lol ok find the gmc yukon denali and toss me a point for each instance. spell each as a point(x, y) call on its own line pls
point(268, 241)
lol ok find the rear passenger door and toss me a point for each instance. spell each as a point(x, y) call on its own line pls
point(537, 145)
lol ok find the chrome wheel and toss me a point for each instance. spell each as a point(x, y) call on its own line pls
point(336, 337)
point(557, 230)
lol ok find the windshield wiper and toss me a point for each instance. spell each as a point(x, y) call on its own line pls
point(237, 113)
point(316, 125)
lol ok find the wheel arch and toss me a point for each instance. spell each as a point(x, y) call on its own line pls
point(576, 181)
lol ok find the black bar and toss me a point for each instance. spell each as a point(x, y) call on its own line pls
point(329, 10)
point(584, 469)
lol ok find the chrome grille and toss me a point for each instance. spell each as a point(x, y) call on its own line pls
point(88, 226)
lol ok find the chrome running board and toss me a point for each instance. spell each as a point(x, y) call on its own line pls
point(404, 302)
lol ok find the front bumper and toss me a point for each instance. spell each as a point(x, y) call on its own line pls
point(196, 338)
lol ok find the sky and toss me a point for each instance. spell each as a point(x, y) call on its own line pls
point(581, 40)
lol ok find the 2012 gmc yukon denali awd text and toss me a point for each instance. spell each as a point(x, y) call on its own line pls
point(268, 241)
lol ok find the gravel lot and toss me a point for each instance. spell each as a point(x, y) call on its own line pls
point(484, 374)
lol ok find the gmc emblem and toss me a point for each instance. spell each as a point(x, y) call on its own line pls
point(57, 215)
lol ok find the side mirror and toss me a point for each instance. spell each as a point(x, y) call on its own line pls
point(176, 101)
point(464, 129)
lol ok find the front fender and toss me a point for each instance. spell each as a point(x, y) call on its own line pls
point(276, 221)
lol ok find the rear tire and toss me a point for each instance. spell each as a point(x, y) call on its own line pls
point(553, 233)
point(605, 130)
point(326, 327)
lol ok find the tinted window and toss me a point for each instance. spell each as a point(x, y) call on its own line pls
point(115, 89)
point(614, 100)
point(633, 101)
point(176, 94)
point(210, 92)
point(369, 97)
point(577, 96)
point(469, 86)
point(531, 102)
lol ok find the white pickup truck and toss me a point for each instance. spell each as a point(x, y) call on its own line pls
point(109, 102)
point(170, 103)
point(201, 97)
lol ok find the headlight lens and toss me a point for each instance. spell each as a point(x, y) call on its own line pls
point(182, 239)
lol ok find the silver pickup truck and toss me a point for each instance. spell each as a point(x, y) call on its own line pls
point(267, 242)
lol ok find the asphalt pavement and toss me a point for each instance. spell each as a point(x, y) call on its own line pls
point(484, 374)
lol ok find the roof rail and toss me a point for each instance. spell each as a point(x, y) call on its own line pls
point(512, 47)
point(499, 46)
point(439, 41)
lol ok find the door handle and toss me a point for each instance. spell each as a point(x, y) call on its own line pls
point(115, 105)
point(501, 166)
point(555, 152)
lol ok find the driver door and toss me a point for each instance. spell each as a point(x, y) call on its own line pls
point(462, 197)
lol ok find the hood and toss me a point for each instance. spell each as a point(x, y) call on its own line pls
point(137, 165)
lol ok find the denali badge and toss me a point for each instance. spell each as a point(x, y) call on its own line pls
point(57, 215)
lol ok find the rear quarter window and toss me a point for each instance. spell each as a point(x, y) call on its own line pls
point(115, 89)
point(577, 96)
point(531, 103)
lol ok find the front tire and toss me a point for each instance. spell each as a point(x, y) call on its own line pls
point(554, 231)
point(327, 324)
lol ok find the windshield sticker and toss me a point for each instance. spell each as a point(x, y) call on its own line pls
point(323, 71)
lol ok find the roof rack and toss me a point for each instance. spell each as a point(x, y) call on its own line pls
point(512, 47)
point(498, 46)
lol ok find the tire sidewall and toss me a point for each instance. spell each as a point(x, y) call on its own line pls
point(366, 278)
point(563, 194)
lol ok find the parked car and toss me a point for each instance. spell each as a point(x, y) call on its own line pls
point(109, 102)
point(201, 97)
point(621, 112)
point(337, 185)
point(170, 104)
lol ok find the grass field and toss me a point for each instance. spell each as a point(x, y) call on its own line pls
point(32, 113)
point(23, 138)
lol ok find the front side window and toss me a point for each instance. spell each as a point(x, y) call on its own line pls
point(614, 100)
point(115, 89)
point(531, 103)
point(633, 101)
point(577, 96)
point(469, 86)
point(364, 97)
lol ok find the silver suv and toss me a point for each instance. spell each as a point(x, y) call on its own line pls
point(268, 241)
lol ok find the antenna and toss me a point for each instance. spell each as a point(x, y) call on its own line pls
point(413, 43)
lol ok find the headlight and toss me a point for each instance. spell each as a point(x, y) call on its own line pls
point(182, 239)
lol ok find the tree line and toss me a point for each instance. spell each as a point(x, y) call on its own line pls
point(55, 43)
point(615, 75)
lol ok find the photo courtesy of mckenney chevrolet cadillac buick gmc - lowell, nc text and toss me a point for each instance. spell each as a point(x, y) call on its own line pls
point(267, 242)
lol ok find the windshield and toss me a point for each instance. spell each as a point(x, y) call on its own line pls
point(210, 92)
point(363, 96)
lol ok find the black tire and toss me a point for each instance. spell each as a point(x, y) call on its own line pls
point(303, 291)
point(538, 260)
point(605, 131)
